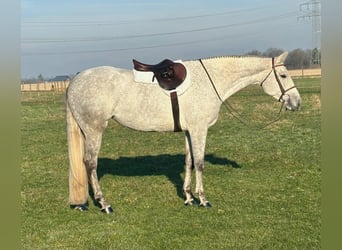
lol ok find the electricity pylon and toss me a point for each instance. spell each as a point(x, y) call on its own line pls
point(312, 11)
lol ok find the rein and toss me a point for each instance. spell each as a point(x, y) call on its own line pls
point(236, 114)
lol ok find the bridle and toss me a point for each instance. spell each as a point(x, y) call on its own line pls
point(282, 89)
point(235, 113)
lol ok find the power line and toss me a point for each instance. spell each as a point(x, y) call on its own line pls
point(137, 48)
point(164, 19)
point(97, 39)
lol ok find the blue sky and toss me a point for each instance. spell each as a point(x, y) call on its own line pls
point(65, 37)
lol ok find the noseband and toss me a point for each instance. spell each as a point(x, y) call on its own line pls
point(283, 91)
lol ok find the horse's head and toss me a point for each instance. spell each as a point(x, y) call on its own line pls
point(279, 84)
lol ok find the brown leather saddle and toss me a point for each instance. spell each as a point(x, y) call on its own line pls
point(169, 74)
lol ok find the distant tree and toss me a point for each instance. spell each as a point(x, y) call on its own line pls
point(272, 52)
point(254, 53)
point(298, 59)
point(40, 78)
point(316, 56)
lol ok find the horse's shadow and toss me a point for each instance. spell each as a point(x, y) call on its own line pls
point(172, 166)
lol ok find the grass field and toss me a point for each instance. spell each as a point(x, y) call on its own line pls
point(264, 185)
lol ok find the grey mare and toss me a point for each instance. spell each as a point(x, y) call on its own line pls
point(99, 94)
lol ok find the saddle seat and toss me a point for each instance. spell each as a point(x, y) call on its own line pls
point(150, 67)
point(169, 74)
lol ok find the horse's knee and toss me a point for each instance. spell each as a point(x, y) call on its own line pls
point(199, 165)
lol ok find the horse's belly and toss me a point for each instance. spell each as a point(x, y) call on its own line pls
point(144, 123)
point(144, 115)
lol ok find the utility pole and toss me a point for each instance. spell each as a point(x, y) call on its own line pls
point(312, 11)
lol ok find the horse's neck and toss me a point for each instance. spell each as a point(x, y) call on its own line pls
point(231, 74)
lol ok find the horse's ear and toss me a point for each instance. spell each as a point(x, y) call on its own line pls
point(281, 59)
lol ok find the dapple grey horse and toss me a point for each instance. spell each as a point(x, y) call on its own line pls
point(100, 94)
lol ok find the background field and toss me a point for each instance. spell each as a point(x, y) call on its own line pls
point(264, 185)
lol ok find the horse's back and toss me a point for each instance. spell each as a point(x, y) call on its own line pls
point(98, 78)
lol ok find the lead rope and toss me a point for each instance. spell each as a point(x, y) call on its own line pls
point(236, 114)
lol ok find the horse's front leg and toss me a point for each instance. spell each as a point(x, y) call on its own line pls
point(197, 149)
point(199, 166)
point(188, 170)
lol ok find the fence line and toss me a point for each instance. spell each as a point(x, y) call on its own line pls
point(61, 86)
point(58, 86)
point(305, 72)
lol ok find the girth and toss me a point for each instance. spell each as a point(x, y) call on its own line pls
point(169, 75)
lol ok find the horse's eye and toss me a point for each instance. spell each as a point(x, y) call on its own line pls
point(283, 75)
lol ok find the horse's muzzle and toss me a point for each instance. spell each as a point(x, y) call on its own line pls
point(292, 103)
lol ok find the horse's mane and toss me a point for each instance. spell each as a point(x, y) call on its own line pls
point(227, 57)
point(235, 62)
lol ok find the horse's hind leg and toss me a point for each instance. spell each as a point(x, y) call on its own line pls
point(92, 148)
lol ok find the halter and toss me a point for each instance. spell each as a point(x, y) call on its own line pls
point(283, 91)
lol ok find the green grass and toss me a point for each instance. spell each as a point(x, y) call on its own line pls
point(264, 185)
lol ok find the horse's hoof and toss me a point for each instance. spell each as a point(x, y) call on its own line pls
point(191, 203)
point(107, 210)
point(79, 207)
point(206, 205)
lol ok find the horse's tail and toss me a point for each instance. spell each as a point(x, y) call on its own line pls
point(78, 180)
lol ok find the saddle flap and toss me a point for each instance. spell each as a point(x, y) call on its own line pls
point(171, 77)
